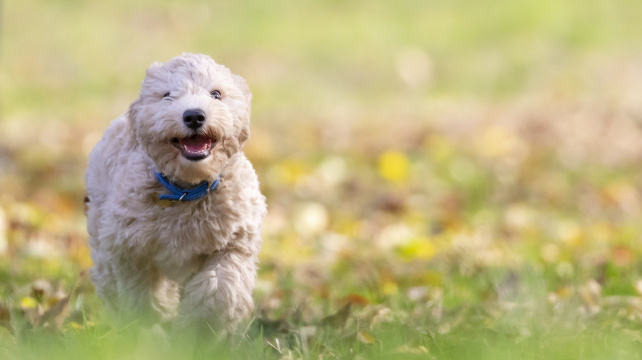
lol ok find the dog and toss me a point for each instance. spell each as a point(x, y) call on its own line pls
point(174, 211)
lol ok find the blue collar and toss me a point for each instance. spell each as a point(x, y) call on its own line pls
point(178, 194)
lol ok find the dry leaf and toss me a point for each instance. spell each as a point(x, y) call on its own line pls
point(365, 338)
point(56, 314)
point(375, 315)
point(269, 328)
point(41, 289)
point(354, 299)
point(5, 317)
point(590, 295)
point(338, 319)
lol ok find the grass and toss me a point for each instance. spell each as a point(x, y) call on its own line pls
point(465, 176)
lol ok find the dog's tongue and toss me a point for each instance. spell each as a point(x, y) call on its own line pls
point(195, 144)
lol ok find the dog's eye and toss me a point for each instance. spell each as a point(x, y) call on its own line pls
point(216, 94)
point(166, 95)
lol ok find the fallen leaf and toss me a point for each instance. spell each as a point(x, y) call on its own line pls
point(365, 338)
point(28, 302)
point(591, 294)
point(41, 289)
point(393, 166)
point(269, 328)
point(622, 255)
point(354, 299)
point(375, 315)
point(5, 317)
point(338, 319)
point(55, 315)
point(76, 326)
point(417, 249)
point(389, 287)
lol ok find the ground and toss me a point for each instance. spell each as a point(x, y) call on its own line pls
point(444, 180)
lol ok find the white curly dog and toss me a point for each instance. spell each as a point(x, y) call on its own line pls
point(174, 207)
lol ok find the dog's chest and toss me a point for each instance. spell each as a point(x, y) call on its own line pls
point(192, 228)
point(178, 233)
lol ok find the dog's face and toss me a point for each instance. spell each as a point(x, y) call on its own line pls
point(192, 115)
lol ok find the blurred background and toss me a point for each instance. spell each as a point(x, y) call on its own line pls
point(426, 150)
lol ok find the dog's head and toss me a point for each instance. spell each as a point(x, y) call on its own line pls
point(192, 115)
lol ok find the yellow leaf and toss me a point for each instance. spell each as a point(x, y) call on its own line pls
point(287, 172)
point(417, 249)
point(393, 166)
point(365, 338)
point(28, 303)
point(389, 288)
point(76, 326)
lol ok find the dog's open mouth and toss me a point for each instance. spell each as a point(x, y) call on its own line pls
point(195, 147)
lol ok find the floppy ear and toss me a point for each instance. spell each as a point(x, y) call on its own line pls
point(244, 126)
point(132, 112)
point(242, 85)
point(130, 116)
point(152, 72)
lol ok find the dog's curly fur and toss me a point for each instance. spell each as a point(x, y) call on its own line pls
point(193, 262)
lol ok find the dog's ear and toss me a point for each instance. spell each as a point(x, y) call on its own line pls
point(130, 116)
point(132, 111)
point(242, 85)
point(244, 127)
point(151, 73)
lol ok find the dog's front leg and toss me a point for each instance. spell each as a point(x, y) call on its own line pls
point(135, 279)
point(219, 296)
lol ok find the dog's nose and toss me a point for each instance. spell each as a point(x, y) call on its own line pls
point(194, 118)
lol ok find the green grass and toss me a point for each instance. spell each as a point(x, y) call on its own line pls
point(511, 318)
